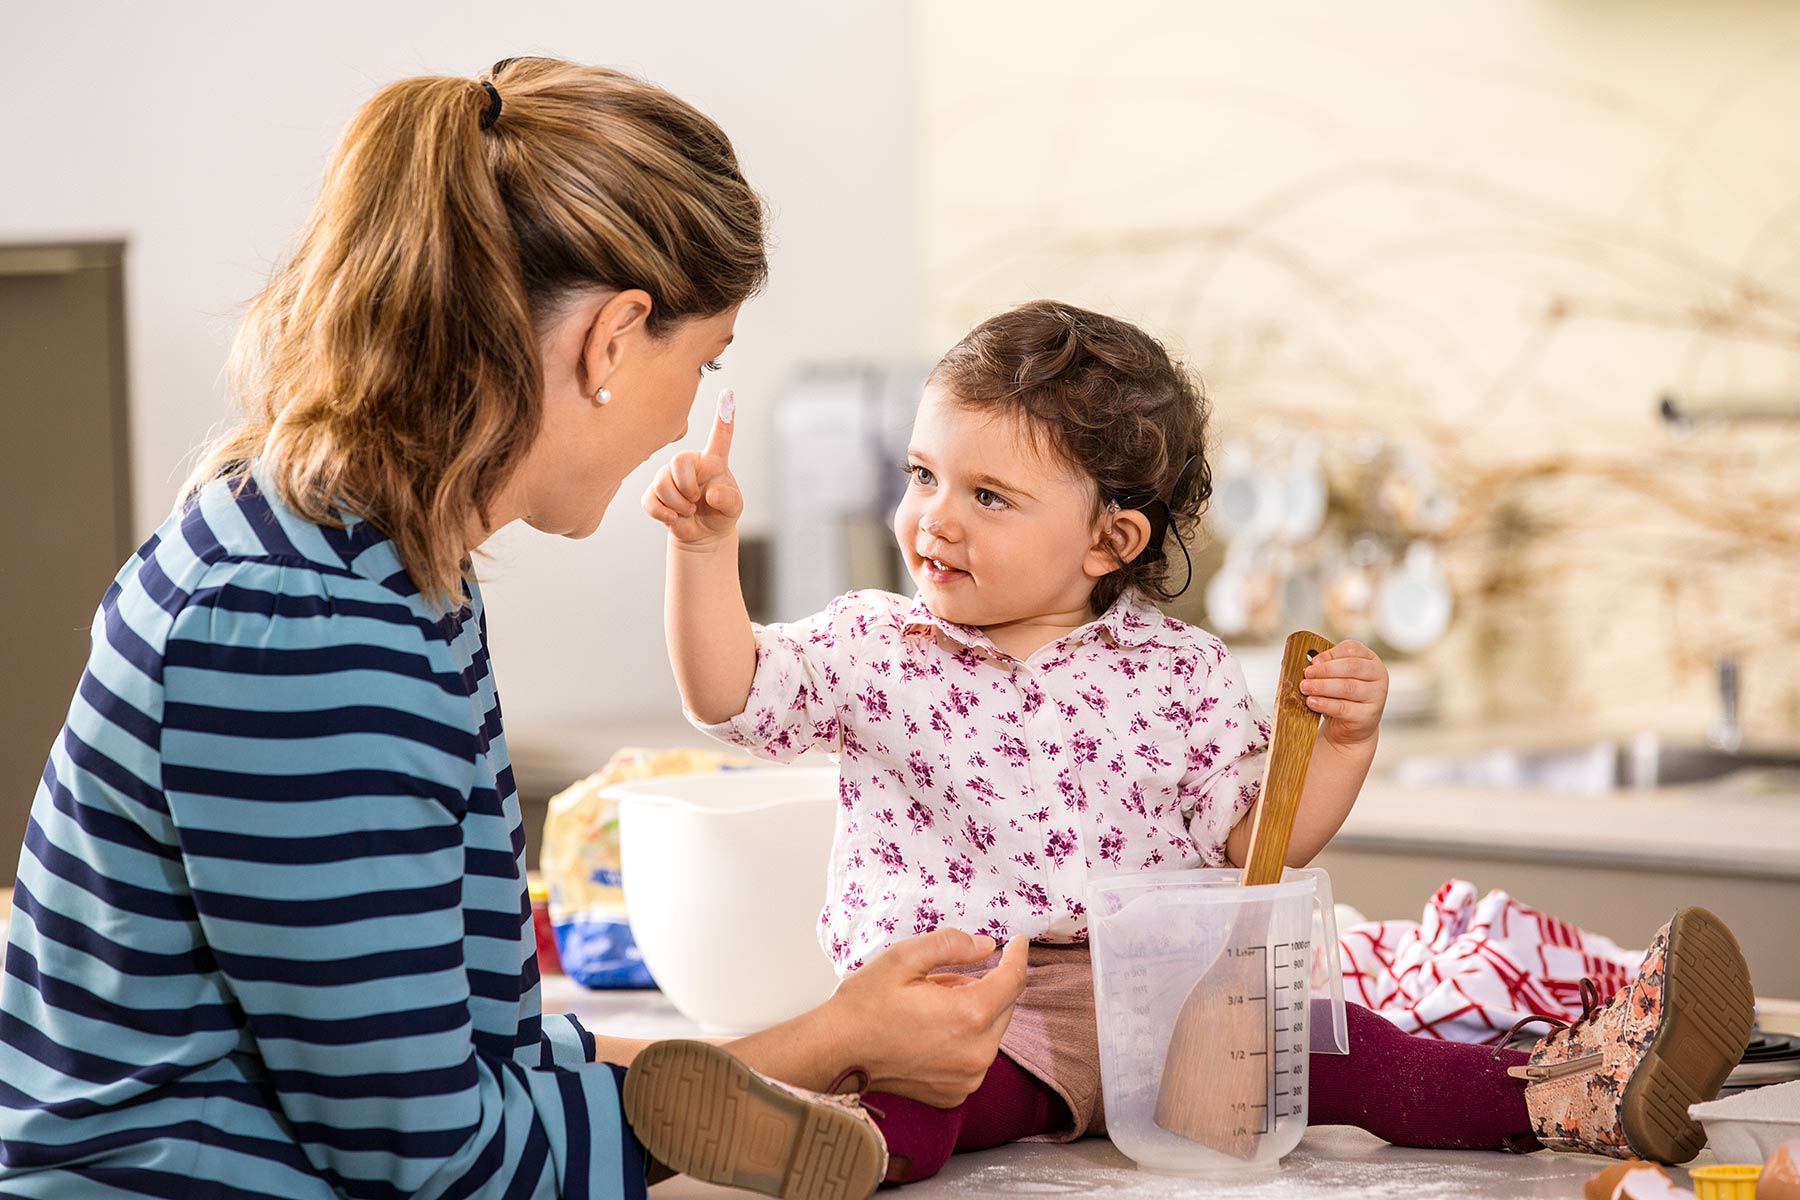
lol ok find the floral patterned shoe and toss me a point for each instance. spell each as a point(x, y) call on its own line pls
point(1619, 1080)
point(701, 1112)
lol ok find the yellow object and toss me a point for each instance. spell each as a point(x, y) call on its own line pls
point(1725, 1181)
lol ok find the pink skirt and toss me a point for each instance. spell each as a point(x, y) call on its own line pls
point(1053, 1034)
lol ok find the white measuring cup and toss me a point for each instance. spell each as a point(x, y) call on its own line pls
point(1154, 938)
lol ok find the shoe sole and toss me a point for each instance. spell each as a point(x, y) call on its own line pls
point(1708, 1011)
point(701, 1112)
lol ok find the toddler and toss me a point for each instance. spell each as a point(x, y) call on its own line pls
point(1030, 719)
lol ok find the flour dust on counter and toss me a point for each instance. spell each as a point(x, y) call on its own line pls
point(1332, 1163)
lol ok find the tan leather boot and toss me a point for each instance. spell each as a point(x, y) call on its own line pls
point(1619, 1080)
point(701, 1112)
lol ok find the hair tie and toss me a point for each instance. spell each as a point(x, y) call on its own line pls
point(493, 109)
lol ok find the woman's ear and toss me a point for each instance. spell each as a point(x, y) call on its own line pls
point(1123, 534)
point(615, 323)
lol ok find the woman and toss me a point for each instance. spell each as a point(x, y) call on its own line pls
point(271, 934)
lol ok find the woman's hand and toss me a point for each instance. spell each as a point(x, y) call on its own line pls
point(925, 1036)
point(1348, 685)
point(695, 495)
point(932, 1037)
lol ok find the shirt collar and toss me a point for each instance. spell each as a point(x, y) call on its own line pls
point(1131, 620)
point(921, 620)
point(358, 546)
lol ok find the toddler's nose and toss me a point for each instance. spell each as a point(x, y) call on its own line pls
point(935, 526)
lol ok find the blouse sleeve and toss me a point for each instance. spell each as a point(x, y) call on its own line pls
point(317, 787)
point(804, 672)
point(1228, 744)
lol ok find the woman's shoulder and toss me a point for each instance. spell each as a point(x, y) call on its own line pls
point(233, 562)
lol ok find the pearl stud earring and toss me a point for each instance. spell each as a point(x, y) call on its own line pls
point(603, 396)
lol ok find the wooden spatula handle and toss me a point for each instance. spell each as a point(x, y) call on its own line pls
point(1290, 751)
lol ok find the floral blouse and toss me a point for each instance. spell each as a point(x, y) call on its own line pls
point(983, 791)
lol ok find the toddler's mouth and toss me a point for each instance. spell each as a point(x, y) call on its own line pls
point(940, 572)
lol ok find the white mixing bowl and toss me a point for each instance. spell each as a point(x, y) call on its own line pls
point(724, 876)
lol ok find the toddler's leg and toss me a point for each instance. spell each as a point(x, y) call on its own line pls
point(1418, 1091)
point(1015, 1104)
point(1616, 1081)
point(920, 1138)
point(1009, 1105)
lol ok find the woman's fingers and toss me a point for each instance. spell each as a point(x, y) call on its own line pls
point(1001, 986)
point(942, 947)
point(1000, 990)
point(951, 979)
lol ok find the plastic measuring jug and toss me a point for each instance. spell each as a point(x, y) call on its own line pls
point(1153, 938)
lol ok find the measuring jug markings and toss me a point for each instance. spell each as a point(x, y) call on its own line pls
point(1155, 943)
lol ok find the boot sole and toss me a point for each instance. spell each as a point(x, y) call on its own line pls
point(1708, 1011)
point(701, 1112)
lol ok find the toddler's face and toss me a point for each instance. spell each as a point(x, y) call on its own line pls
point(995, 528)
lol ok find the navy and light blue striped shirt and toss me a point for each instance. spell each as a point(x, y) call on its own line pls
point(271, 934)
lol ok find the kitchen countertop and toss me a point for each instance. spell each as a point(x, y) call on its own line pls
point(1743, 825)
point(1713, 831)
point(1336, 1162)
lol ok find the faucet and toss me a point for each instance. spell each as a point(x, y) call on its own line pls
point(1726, 733)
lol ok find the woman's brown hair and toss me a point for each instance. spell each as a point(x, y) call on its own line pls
point(1107, 398)
point(390, 369)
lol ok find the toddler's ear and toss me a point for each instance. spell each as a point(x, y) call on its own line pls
point(1125, 534)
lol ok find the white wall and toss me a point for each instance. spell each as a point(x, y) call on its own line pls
point(1497, 230)
point(198, 132)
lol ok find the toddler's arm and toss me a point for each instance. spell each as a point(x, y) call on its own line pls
point(711, 644)
point(1348, 685)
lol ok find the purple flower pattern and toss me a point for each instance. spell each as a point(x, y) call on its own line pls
point(1136, 731)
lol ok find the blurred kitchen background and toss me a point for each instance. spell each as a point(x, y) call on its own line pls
point(1498, 304)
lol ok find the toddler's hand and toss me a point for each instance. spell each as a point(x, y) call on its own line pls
point(695, 495)
point(1348, 684)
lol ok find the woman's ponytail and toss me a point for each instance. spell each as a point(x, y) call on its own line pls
point(391, 368)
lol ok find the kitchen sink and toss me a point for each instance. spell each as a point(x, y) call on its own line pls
point(1640, 762)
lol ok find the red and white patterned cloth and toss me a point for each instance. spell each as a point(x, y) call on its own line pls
point(1472, 967)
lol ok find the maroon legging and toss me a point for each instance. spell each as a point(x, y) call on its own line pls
point(1411, 1091)
point(1010, 1105)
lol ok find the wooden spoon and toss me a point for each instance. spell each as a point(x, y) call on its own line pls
point(1214, 1090)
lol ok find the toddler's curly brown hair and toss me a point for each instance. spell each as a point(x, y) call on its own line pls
point(1108, 399)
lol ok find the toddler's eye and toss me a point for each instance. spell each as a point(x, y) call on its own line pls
point(989, 499)
point(711, 366)
point(920, 475)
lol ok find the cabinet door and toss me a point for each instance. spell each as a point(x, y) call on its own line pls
point(67, 521)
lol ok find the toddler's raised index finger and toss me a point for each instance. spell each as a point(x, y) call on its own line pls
point(718, 442)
